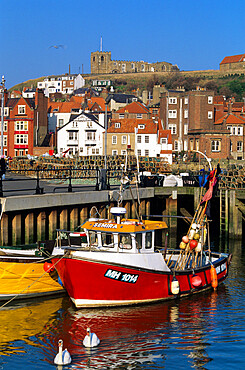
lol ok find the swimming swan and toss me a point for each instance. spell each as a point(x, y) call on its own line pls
point(91, 339)
point(62, 357)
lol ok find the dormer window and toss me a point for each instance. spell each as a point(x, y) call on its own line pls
point(56, 110)
point(121, 115)
point(21, 109)
point(172, 101)
point(139, 115)
point(117, 125)
point(164, 140)
point(141, 127)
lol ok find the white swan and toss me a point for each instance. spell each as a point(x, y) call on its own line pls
point(62, 357)
point(91, 339)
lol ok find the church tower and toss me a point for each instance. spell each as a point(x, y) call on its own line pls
point(100, 62)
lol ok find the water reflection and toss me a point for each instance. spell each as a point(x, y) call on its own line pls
point(186, 333)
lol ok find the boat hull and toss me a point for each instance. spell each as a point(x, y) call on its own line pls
point(24, 278)
point(92, 283)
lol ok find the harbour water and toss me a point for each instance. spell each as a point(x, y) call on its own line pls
point(205, 331)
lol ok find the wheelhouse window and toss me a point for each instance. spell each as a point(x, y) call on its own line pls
point(93, 239)
point(107, 240)
point(138, 239)
point(148, 240)
point(125, 241)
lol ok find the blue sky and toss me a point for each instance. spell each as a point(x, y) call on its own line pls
point(192, 34)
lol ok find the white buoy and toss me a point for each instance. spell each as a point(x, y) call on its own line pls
point(91, 339)
point(62, 357)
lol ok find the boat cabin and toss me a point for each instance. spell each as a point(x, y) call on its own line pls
point(122, 235)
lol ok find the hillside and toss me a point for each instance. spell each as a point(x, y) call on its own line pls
point(223, 84)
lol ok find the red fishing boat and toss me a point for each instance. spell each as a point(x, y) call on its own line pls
point(119, 264)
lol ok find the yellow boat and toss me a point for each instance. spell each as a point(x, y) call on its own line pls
point(23, 276)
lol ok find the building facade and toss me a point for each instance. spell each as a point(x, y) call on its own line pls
point(64, 84)
point(234, 62)
point(101, 63)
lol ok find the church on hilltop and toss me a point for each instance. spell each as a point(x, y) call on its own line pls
point(101, 63)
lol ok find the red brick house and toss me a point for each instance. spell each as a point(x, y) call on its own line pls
point(25, 124)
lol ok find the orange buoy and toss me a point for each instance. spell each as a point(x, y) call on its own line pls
point(48, 267)
point(185, 239)
point(214, 278)
point(182, 245)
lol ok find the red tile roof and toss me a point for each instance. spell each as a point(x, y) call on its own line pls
point(63, 107)
point(134, 107)
point(230, 119)
point(165, 133)
point(100, 101)
point(129, 125)
point(233, 59)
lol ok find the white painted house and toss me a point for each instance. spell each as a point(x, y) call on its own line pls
point(65, 84)
point(82, 135)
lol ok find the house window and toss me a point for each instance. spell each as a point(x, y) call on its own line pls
point(176, 145)
point(216, 145)
point(172, 100)
point(93, 150)
point(141, 127)
point(139, 116)
point(234, 130)
point(5, 126)
point(210, 115)
point(139, 151)
point(21, 109)
point(81, 150)
point(117, 125)
point(132, 65)
point(185, 145)
point(114, 152)
point(197, 144)
point(185, 129)
point(172, 114)
point(186, 100)
point(61, 122)
point(114, 139)
point(239, 131)
point(21, 126)
point(164, 140)
point(6, 111)
point(90, 136)
point(147, 139)
point(230, 129)
point(239, 146)
point(139, 139)
point(123, 67)
point(210, 100)
point(142, 67)
point(121, 116)
point(147, 153)
point(5, 141)
point(123, 152)
point(186, 113)
point(124, 139)
point(191, 144)
point(97, 151)
point(172, 127)
point(20, 139)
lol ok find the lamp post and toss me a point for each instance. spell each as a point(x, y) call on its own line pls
point(2, 112)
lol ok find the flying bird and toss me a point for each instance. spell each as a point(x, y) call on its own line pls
point(57, 46)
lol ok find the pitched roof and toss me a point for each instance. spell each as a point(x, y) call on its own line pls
point(121, 98)
point(129, 125)
point(233, 59)
point(99, 100)
point(230, 119)
point(165, 134)
point(64, 107)
point(134, 107)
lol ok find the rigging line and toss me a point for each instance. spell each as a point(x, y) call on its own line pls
point(45, 272)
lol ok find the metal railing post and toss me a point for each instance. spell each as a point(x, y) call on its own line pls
point(97, 178)
point(1, 185)
point(70, 185)
point(38, 189)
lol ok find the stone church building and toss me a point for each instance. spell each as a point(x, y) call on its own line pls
point(101, 63)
